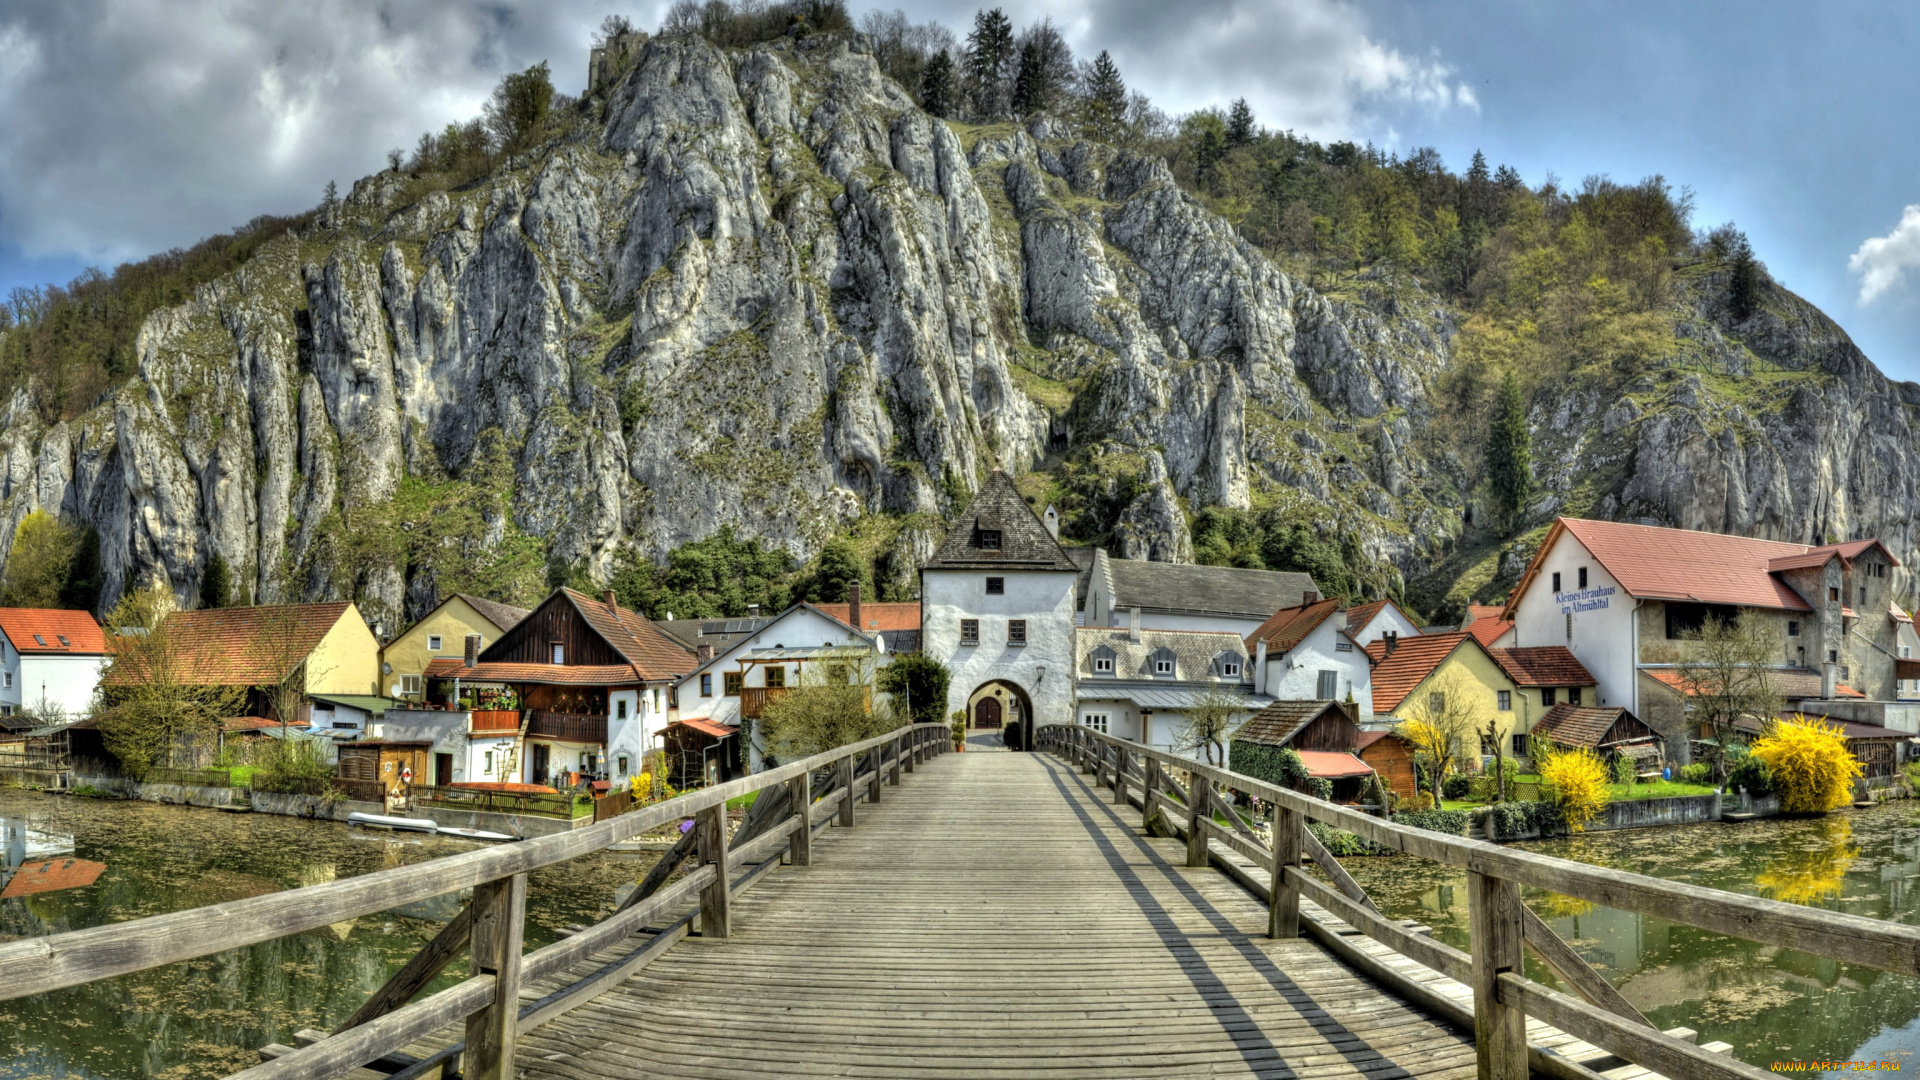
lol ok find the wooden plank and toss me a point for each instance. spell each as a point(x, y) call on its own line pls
point(1645, 1046)
point(1329, 864)
point(716, 900)
point(419, 970)
point(356, 1046)
point(499, 919)
point(1445, 959)
point(610, 931)
point(1283, 899)
point(1197, 821)
point(575, 994)
point(1499, 1029)
point(1573, 969)
point(845, 784)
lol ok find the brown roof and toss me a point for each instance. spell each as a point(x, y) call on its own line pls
point(1542, 665)
point(878, 617)
point(52, 876)
point(705, 727)
point(1360, 615)
point(1025, 543)
point(1790, 683)
point(504, 616)
point(1287, 628)
point(1368, 738)
point(256, 723)
point(454, 667)
point(1488, 631)
point(243, 646)
point(651, 652)
point(52, 631)
point(1396, 674)
point(1278, 723)
point(1577, 725)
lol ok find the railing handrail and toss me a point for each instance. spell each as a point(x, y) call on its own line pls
point(39, 965)
point(1876, 943)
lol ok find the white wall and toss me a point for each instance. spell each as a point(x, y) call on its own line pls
point(471, 766)
point(1602, 615)
point(1042, 597)
point(1388, 618)
point(1123, 718)
point(798, 628)
point(65, 682)
point(631, 735)
point(1295, 675)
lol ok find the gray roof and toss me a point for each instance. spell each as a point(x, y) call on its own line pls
point(1083, 557)
point(1279, 722)
point(504, 616)
point(900, 641)
point(1171, 697)
point(1205, 590)
point(1025, 543)
point(1193, 651)
point(718, 633)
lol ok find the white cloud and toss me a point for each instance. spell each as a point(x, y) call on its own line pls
point(1882, 261)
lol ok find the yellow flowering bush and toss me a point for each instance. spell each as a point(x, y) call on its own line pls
point(1812, 768)
point(1577, 780)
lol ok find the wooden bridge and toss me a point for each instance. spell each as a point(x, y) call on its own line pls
point(889, 909)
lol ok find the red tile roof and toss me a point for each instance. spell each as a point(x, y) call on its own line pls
point(52, 876)
point(52, 631)
point(242, 646)
point(454, 667)
point(1788, 684)
point(877, 617)
point(1396, 674)
point(1487, 630)
point(1332, 764)
point(1289, 626)
point(653, 654)
point(718, 731)
point(1368, 738)
point(1542, 665)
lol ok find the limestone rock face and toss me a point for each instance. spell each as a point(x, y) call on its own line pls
point(761, 290)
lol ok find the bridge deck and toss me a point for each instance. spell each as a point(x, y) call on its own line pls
point(996, 918)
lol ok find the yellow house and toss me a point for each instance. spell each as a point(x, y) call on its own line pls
point(328, 645)
point(442, 633)
point(1455, 674)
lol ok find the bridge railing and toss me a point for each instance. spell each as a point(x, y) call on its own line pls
point(790, 809)
point(1500, 924)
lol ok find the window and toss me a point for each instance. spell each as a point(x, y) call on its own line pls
point(1546, 696)
point(488, 769)
point(1683, 619)
point(7, 680)
point(558, 652)
point(1833, 656)
point(989, 539)
point(63, 641)
point(656, 699)
point(1573, 695)
point(1163, 665)
point(409, 686)
point(622, 759)
point(673, 697)
point(730, 683)
point(433, 642)
point(1436, 703)
point(1230, 668)
point(1569, 626)
point(1583, 577)
point(42, 639)
point(1103, 665)
point(1343, 646)
point(620, 709)
point(969, 631)
point(1863, 596)
point(996, 586)
point(1556, 582)
point(1519, 745)
point(1327, 687)
point(1097, 721)
point(706, 685)
point(1505, 699)
point(1833, 593)
point(1016, 631)
point(1793, 627)
point(776, 675)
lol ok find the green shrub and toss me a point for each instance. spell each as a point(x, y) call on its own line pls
point(1278, 765)
point(1453, 822)
point(294, 766)
point(1752, 776)
point(1700, 773)
point(1320, 788)
point(1623, 770)
point(1340, 842)
point(1507, 821)
point(1457, 786)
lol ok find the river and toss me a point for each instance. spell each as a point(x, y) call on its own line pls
point(207, 1017)
point(1772, 1004)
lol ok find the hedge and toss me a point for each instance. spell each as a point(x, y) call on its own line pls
point(1453, 822)
point(1277, 765)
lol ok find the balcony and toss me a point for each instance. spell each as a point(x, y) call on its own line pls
point(568, 727)
point(493, 722)
point(755, 699)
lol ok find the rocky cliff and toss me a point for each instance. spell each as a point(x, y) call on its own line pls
point(762, 289)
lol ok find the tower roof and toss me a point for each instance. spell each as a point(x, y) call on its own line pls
point(999, 531)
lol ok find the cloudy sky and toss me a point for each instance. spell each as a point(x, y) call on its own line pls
point(131, 126)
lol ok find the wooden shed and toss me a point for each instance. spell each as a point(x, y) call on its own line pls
point(382, 762)
point(1392, 760)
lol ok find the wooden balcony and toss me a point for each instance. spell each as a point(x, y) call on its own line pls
point(493, 721)
point(755, 699)
point(568, 727)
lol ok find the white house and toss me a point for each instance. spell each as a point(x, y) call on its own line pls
point(1377, 620)
point(1172, 596)
point(1907, 687)
point(1138, 684)
point(49, 659)
point(997, 608)
point(1305, 653)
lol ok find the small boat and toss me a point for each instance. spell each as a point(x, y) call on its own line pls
point(473, 834)
point(385, 821)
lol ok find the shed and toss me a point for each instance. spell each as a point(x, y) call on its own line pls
point(1389, 756)
point(1877, 749)
point(1605, 730)
point(381, 762)
point(1323, 733)
point(700, 752)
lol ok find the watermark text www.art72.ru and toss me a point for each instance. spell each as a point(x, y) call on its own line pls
point(1835, 1066)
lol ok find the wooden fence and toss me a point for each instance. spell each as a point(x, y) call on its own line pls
point(1502, 927)
point(783, 822)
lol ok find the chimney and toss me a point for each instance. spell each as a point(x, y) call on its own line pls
point(473, 649)
point(1260, 667)
point(1829, 674)
point(1052, 521)
point(702, 653)
point(1393, 641)
point(1133, 625)
point(753, 611)
point(1309, 597)
point(853, 606)
point(613, 602)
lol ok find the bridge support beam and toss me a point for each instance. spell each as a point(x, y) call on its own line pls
point(499, 915)
point(1283, 896)
point(800, 841)
point(716, 900)
point(1199, 812)
point(1499, 1030)
point(877, 758)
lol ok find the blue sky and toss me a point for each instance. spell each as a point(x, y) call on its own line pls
point(129, 126)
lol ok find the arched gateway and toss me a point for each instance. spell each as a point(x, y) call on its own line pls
point(997, 704)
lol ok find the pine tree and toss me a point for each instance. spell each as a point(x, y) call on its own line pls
point(989, 50)
point(1239, 124)
point(1508, 465)
point(936, 85)
point(1743, 278)
point(1507, 179)
point(1029, 85)
point(1106, 99)
point(216, 588)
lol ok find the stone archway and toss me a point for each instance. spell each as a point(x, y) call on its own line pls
point(997, 706)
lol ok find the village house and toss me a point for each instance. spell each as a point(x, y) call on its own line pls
point(585, 680)
point(997, 608)
point(1391, 759)
point(1140, 684)
point(1623, 598)
point(1174, 596)
point(50, 661)
point(1376, 619)
point(1609, 731)
point(716, 634)
point(1512, 690)
point(442, 634)
point(1304, 653)
point(1489, 625)
point(323, 648)
point(1324, 733)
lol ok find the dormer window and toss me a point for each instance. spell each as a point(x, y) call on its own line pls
point(1227, 665)
point(1162, 662)
point(989, 539)
point(1162, 666)
point(1103, 661)
point(41, 638)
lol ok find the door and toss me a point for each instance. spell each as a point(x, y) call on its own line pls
point(987, 713)
point(443, 770)
point(539, 763)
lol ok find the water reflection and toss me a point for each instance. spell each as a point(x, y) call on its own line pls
point(1769, 1003)
point(205, 1018)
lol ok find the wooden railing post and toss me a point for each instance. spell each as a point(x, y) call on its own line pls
point(1199, 812)
point(911, 750)
point(877, 758)
point(893, 770)
point(499, 914)
point(1087, 753)
point(1153, 785)
point(1120, 777)
point(716, 900)
point(844, 819)
point(1283, 899)
point(1499, 1030)
point(800, 797)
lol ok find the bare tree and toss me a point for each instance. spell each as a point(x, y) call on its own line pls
point(1208, 722)
point(1725, 675)
point(1444, 715)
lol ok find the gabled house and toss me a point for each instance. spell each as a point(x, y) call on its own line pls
point(1513, 689)
point(442, 634)
point(588, 678)
point(1139, 684)
point(328, 648)
point(1608, 731)
point(50, 660)
point(1324, 733)
point(1489, 625)
point(1376, 619)
point(1304, 653)
point(1176, 596)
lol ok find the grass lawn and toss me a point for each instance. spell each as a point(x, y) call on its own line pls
point(743, 801)
point(1458, 804)
point(1658, 789)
